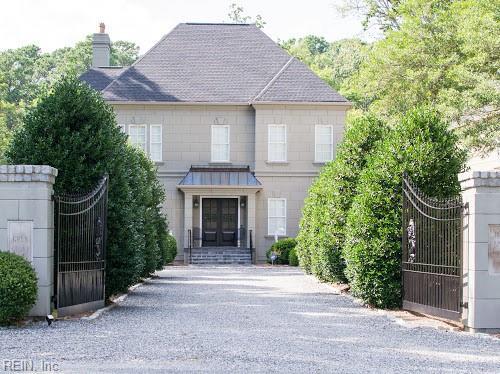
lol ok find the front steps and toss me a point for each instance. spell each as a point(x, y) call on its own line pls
point(220, 256)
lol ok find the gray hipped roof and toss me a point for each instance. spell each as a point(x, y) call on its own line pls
point(224, 63)
point(100, 78)
point(235, 176)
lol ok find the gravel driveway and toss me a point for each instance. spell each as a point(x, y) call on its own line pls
point(245, 319)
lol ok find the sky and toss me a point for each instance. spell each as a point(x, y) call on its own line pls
point(53, 24)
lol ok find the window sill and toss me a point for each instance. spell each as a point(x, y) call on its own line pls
point(282, 236)
point(159, 163)
point(321, 162)
point(277, 162)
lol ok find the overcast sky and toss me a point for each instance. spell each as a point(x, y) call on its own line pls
point(52, 24)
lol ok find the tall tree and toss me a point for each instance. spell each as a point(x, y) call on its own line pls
point(445, 54)
point(236, 15)
point(383, 13)
point(26, 72)
point(333, 62)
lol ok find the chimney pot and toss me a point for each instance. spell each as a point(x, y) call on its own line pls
point(102, 27)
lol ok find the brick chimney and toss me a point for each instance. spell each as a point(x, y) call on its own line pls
point(101, 47)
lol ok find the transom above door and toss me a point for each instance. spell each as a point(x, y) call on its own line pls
point(219, 222)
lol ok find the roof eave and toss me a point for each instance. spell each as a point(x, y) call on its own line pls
point(134, 102)
point(347, 104)
point(183, 187)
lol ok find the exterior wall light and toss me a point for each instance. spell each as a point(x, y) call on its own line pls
point(196, 203)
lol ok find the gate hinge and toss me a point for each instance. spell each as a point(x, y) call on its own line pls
point(465, 305)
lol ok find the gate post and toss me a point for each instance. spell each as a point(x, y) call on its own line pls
point(481, 250)
point(27, 223)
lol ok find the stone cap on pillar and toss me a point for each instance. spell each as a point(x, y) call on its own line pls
point(28, 173)
point(474, 179)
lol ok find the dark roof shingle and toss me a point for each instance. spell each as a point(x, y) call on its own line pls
point(99, 78)
point(223, 63)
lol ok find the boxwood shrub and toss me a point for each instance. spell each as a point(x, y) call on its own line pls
point(18, 287)
point(282, 249)
point(421, 145)
point(170, 250)
point(321, 236)
point(293, 260)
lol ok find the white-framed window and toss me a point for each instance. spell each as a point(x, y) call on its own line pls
point(121, 126)
point(276, 143)
point(323, 135)
point(137, 136)
point(220, 143)
point(155, 142)
point(276, 216)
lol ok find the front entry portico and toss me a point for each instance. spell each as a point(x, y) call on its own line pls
point(219, 210)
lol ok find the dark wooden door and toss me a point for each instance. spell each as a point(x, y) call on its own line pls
point(220, 222)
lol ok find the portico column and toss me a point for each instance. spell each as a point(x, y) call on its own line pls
point(188, 223)
point(251, 220)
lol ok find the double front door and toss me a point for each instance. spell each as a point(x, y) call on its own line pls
point(219, 222)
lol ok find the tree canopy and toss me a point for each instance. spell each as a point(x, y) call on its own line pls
point(445, 54)
point(26, 73)
point(334, 62)
point(237, 15)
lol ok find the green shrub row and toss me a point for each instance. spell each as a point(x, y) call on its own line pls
point(18, 287)
point(421, 145)
point(75, 131)
point(321, 236)
point(351, 225)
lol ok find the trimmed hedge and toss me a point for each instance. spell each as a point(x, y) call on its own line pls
point(293, 260)
point(422, 145)
point(75, 131)
point(282, 249)
point(321, 236)
point(18, 287)
point(170, 249)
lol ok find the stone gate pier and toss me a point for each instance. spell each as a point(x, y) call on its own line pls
point(481, 250)
point(27, 223)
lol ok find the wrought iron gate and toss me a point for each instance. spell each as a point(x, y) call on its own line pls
point(432, 253)
point(80, 240)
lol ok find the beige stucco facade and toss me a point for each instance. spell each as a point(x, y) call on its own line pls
point(186, 141)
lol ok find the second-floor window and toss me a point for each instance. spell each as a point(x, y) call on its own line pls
point(220, 143)
point(137, 136)
point(324, 143)
point(155, 147)
point(276, 147)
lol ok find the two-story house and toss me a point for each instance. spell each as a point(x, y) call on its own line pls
point(238, 129)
